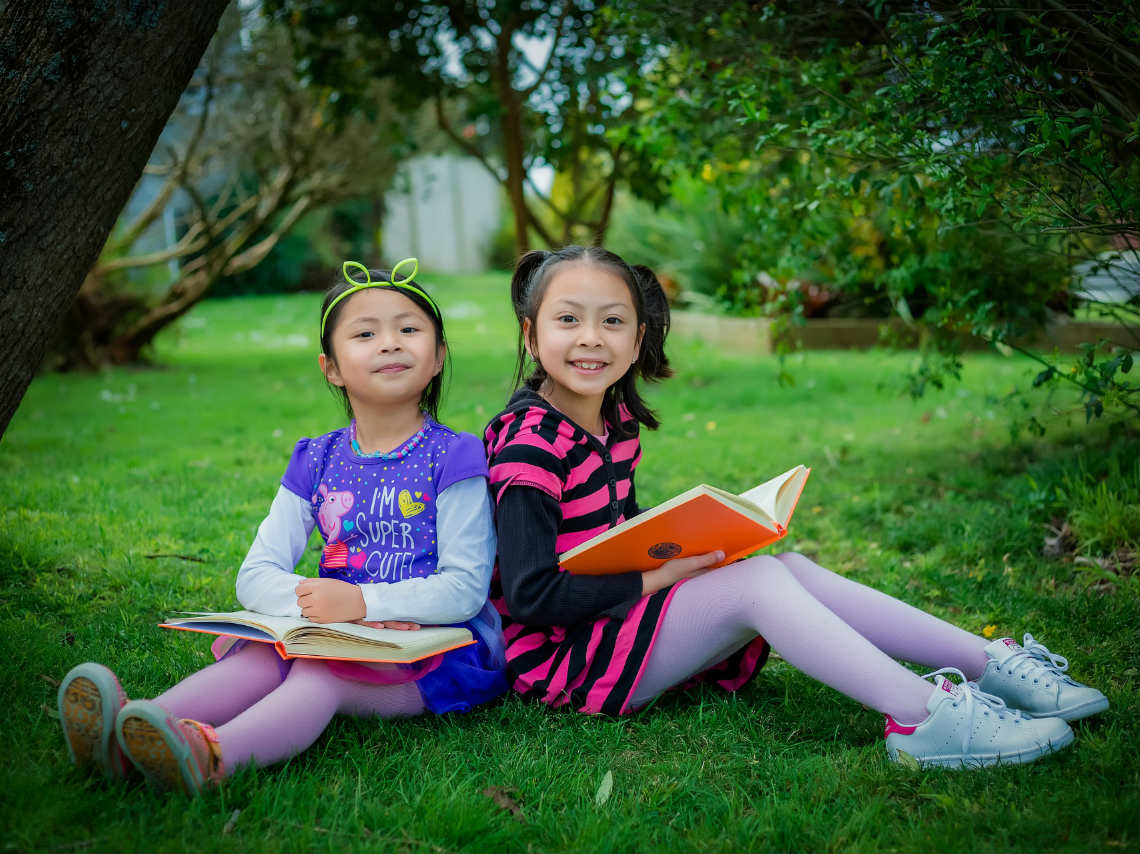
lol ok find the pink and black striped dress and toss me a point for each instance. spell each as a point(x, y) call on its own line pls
point(574, 640)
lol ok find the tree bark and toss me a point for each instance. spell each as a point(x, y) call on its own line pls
point(513, 144)
point(85, 91)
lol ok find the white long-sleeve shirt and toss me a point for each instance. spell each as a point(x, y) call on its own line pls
point(465, 533)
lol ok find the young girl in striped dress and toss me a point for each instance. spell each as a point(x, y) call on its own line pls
point(401, 502)
point(562, 457)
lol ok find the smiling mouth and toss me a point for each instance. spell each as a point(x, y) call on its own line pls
point(584, 365)
point(392, 369)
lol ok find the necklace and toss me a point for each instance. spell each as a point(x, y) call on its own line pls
point(397, 454)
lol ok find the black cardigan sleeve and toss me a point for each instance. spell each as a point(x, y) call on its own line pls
point(536, 590)
point(631, 509)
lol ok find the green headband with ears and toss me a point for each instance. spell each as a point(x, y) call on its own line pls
point(357, 285)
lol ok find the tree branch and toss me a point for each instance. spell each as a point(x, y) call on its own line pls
point(465, 144)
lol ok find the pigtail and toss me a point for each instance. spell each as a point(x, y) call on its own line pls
point(652, 363)
point(522, 283)
point(522, 278)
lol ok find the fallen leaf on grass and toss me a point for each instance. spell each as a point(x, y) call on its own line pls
point(48, 679)
point(908, 761)
point(605, 789)
point(229, 826)
point(505, 800)
point(1091, 561)
point(943, 800)
point(1061, 541)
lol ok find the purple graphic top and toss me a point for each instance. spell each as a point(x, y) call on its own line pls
point(377, 516)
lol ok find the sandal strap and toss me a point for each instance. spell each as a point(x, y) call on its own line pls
point(216, 771)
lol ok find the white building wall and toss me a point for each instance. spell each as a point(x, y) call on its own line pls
point(443, 210)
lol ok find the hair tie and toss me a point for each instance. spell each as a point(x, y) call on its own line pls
point(357, 285)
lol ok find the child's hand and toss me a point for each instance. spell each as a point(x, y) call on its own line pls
point(390, 624)
point(672, 571)
point(327, 600)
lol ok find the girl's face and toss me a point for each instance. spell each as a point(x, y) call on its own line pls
point(384, 350)
point(585, 335)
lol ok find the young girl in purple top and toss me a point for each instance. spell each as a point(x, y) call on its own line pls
point(562, 457)
point(401, 502)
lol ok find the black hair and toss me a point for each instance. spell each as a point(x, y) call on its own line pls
point(429, 400)
point(528, 286)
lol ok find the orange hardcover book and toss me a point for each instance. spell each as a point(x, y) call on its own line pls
point(700, 520)
point(298, 637)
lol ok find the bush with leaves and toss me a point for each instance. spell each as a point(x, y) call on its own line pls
point(988, 147)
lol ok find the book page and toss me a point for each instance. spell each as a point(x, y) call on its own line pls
point(300, 636)
point(223, 627)
point(275, 627)
point(753, 510)
point(293, 629)
point(344, 639)
point(789, 494)
point(778, 496)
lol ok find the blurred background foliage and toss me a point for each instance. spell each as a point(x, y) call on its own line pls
point(947, 164)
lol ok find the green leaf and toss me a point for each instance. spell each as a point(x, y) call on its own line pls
point(908, 761)
point(605, 789)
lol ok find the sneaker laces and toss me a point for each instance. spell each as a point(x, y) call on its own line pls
point(976, 700)
point(1034, 656)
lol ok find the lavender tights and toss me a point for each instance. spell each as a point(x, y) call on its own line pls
point(266, 712)
point(833, 629)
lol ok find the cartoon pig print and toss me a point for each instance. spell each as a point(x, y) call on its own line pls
point(335, 505)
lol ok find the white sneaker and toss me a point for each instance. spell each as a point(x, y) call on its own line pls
point(968, 728)
point(1032, 679)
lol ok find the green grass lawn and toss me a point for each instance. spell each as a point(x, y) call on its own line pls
point(134, 493)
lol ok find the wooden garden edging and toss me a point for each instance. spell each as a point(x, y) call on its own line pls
point(757, 335)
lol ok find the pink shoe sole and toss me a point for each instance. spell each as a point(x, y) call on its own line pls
point(89, 700)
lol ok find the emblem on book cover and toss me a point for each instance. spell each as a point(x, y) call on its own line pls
point(664, 551)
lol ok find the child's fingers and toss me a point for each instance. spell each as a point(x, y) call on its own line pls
point(696, 563)
point(707, 560)
point(307, 587)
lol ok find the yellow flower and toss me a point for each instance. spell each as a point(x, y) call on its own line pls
point(988, 631)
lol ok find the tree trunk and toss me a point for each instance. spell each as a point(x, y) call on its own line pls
point(513, 145)
point(85, 91)
point(608, 200)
